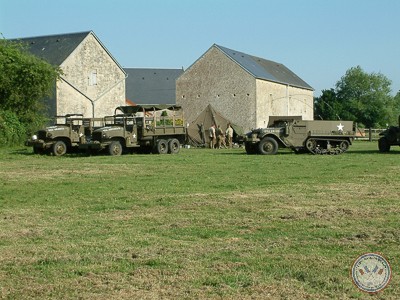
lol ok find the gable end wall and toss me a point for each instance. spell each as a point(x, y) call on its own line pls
point(108, 92)
point(217, 80)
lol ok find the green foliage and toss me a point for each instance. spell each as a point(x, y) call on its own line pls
point(327, 107)
point(12, 131)
point(25, 81)
point(396, 110)
point(359, 96)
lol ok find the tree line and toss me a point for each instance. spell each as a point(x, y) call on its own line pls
point(26, 81)
point(362, 97)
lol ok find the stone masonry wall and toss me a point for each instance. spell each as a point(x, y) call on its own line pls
point(274, 99)
point(215, 79)
point(90, 73)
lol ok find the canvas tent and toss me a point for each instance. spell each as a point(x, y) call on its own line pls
point(198, 130)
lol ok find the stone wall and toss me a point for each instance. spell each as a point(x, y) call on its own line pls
point(274, 99)
point(90, 73)
point(215, 79)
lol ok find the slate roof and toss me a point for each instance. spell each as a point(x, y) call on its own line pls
point(55, 49)
point(265, 69)
point(151, 86)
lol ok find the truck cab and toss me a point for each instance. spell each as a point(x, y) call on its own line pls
point(64, 136)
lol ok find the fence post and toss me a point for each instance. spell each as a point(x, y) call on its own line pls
point(370, 134)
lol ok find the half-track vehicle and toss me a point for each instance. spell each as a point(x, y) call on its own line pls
point(145, 128)
point(65, 135)
point(316, 137)
point(389, 137)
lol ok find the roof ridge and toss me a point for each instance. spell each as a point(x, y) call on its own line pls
point(53, 35)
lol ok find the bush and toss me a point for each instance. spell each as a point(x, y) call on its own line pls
point(12, 131)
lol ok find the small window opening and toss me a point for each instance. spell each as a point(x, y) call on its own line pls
point(93, 78)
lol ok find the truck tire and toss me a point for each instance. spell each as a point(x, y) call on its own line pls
point(59, 148)
point(344, 146)
point(383, 145)
point(115, 148)
point(161, 147)
point(268, 146)
point(174, 146)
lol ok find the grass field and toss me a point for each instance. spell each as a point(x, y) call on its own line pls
point(203, 224)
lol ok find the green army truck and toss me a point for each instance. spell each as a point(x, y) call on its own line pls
point(389, 137)
point(316, 137)
point(143, 128)
point(65, 135)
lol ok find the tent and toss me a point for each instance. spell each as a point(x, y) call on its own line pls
point(198, 130)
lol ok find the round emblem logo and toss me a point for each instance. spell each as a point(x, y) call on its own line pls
point(371, 272)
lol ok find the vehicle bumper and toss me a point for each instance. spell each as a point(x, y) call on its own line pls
point(251, 139)
point(38, 144)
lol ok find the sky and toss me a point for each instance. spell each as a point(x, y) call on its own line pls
point(319, 40)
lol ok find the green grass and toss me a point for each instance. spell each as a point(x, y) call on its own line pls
point(215, 224)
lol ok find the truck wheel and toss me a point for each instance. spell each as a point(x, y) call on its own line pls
point(161, 147)
point(344, 146)
point(173, 146)
point(268, 146)
point(311, 145)
point(383, 145)
point(59, 148)
point(115, 148)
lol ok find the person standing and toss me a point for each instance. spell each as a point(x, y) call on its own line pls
point(211, 132)
point(220, 136)
point(229, 135)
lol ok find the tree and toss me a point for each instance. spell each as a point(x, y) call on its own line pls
point(25, 81)
point(365, 96)
point(361, 97)
point(395, 109)
point(327, 107)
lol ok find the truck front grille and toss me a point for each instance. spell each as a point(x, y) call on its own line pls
point(42, 134)
point(96, 136)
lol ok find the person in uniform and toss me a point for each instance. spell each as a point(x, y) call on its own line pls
point(229, 135)
point(211, 132)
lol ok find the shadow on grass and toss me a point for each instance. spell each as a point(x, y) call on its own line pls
point(372, 152)
point(23, 151)
point(29, 152)
point(245, 154)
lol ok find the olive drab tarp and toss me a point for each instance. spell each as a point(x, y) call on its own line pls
point(198, 130)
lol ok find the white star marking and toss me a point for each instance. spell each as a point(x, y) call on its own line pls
point(340, 127)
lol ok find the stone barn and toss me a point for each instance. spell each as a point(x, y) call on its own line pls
point(245, 89)
point(92, 83)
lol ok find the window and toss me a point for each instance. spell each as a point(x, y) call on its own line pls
point(93, 78)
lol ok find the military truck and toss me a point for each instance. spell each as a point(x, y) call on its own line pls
point(316, 137)
point(389, 137)
point(145, 128)
point(65, 135)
